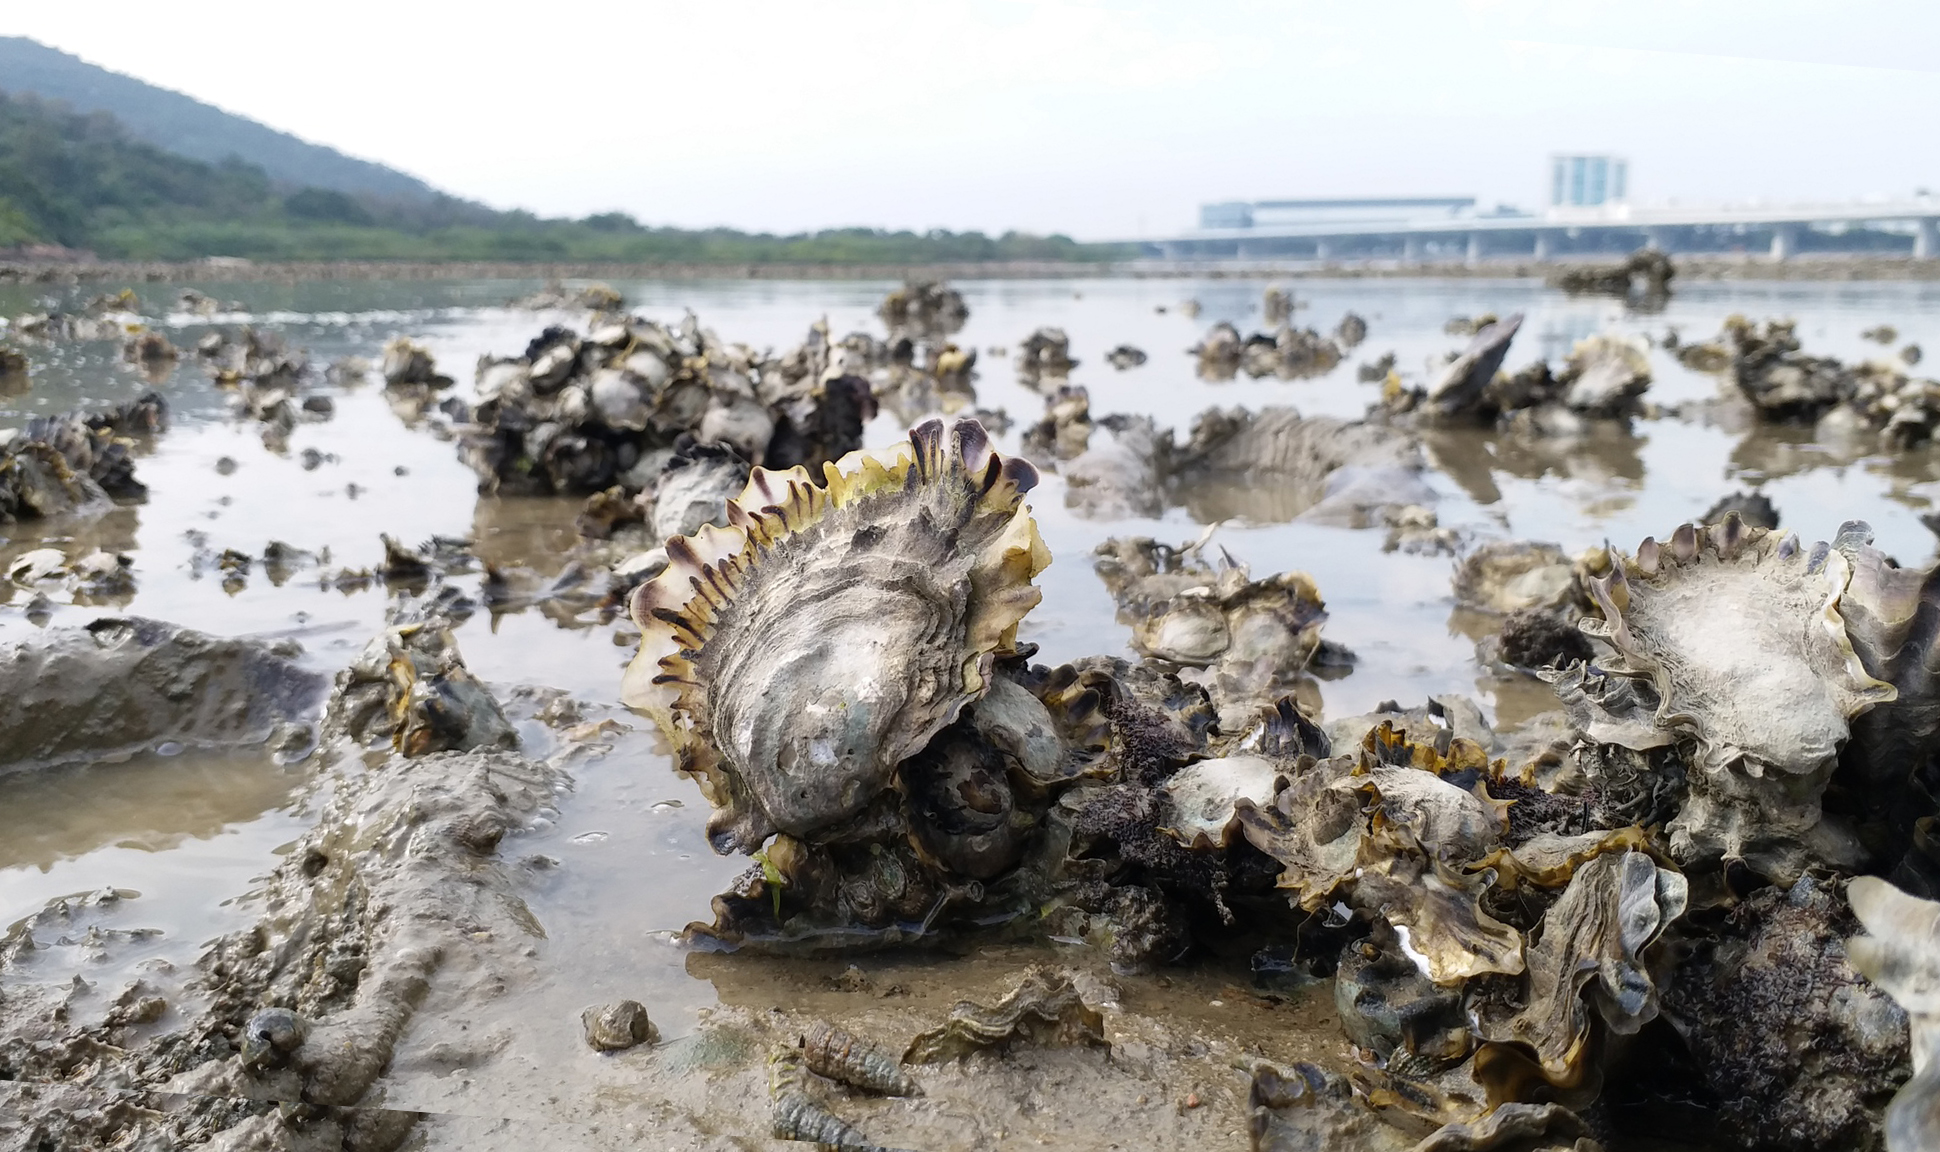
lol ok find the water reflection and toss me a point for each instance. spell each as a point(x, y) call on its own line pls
point(150, 803)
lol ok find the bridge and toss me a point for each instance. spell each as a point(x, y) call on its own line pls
point(1898, 227)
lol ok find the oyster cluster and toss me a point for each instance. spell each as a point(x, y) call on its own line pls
point(1645, 277)
point(923, 308)
point(1248, 642)
point(266, 379)
point(106, 316)
point(556, 297)
point(578, 414)
point(914, 371)
point(1509, 924)
point(72, 462)
point(1044, 360)
point(1875, 399)
point(1604, 377)
point(1286, 353)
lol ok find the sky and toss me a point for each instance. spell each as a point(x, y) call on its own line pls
point(1098, 119)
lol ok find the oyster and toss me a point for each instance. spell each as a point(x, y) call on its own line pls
point(1460, 387)
point(1738, 639)
point(1589, 957)
point(1045, 1008)
point(1604, 376)
point(1389, 1006)
point(1796, 1049)
point(1505, 576)
point(1304, 1108)
point(797, 656)
point(1276, 464)
point(411, 685)
point(616, 1027)
point(1901, 954)
point(1255, 640)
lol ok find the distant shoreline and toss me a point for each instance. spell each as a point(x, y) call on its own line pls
point(1805, 267)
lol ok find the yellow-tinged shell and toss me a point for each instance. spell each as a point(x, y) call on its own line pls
point(1588, 963)
point(796, 656)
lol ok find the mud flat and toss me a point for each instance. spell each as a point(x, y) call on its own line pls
point(1356, 774)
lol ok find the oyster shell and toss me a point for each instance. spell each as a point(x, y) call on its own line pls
point(796, 657)
point(1798, 1050)
point(1589, 957)
point(1738, 638)
point(1254, 639)
point(1045, 1008)
point(1507, 576)
point(1901, 954)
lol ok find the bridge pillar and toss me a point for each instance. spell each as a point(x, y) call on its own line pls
point(1411, 249)
point(1543, 245)
point(1926, 241)
point(1785, 241)
point(1474, 247)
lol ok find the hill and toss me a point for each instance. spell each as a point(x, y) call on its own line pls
point(189, 128)
point(83, 181)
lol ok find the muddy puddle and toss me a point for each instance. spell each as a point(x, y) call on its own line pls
point(159, 854)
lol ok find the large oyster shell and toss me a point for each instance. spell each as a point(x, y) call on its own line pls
point(1739, 637)
point(795, 657)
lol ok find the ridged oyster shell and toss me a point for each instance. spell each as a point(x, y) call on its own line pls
point(796, 656)
point(1738, 636)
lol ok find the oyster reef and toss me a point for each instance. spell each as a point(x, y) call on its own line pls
point(1391, 714)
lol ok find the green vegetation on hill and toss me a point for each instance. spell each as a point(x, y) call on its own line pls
point(187, 127)
point(80, 181)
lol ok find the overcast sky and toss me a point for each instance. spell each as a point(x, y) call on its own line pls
point(1095, 119)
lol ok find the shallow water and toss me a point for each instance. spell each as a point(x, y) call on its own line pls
point(189, 834)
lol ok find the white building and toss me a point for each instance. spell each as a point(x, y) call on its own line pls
point(1588, 182)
